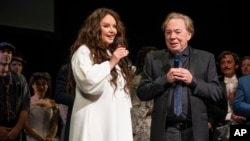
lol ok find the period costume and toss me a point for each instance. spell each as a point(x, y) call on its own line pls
point(14, 98)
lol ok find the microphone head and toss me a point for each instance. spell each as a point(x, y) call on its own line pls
point(177, 57)
point(116, 42)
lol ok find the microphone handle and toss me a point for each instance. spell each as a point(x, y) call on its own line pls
point(176, 63)
point(128, 62)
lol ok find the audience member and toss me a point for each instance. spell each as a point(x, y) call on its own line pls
point(141, 110)
point(17, 63)
point(43, 117)
point(245, 65)
point(221, 113)
point(14, 97)
point(193, 81)
point(101, 110)
point(65, 99)
point(241, 103)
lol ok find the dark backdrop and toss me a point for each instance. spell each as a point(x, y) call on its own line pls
point(47, 51)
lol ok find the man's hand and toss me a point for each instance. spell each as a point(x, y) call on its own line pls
point(179, 74)
point(237, 118)
point(4, 131)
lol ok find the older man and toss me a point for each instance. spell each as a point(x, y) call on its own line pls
point(180, 79)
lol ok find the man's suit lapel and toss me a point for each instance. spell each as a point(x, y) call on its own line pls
point(166, 66)
point(193, 60)
point(165, 61)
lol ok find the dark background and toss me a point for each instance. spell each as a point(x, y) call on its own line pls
point(215, 25)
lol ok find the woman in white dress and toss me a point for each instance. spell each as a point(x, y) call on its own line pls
point(102, 78)
point(43, 117)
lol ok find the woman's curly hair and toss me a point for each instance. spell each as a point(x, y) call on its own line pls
point(90, 35)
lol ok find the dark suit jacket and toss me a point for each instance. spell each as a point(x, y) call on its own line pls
point(205, 86)
point(241, 103)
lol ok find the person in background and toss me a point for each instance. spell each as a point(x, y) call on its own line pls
point(43, 116)
point(65, 98)
point(14, 97)
point(17, 63)
point(180, 79)
point(141, 110)
point(241, 104)
point(63, 112)
point(245, 65)
point(102, 104)
point(221, 112)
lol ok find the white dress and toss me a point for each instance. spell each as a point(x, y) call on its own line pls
point(99, 113)
point(40, 120)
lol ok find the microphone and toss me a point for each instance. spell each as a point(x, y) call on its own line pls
point(127, 60)
point(177, 59)
point(116, 42)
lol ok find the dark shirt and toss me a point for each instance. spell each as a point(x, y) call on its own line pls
point(14, 97)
